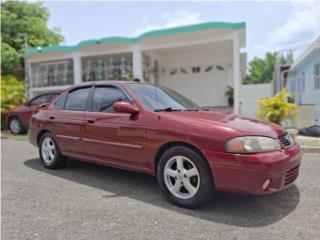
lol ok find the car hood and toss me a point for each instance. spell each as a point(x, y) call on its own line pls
point(241, 125)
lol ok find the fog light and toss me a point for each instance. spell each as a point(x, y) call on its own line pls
point(266, 184)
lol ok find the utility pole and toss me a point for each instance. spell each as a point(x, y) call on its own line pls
point(26, 68)
point(25, 39)
point(277, 83)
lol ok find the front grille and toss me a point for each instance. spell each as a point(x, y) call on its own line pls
point(291, 175)
point(286, 140)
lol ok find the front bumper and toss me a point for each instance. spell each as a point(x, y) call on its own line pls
point(246, 173)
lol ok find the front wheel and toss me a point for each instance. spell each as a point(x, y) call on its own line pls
point(49, 152)
point(184, 177)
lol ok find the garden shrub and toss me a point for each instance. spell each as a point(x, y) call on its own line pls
point(278, 108)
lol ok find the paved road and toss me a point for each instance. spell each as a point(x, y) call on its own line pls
point(85, 201)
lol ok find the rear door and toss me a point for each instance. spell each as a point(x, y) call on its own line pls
point(111, 136)
point(67, 117)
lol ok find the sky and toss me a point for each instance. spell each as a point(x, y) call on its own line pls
point(270, 26)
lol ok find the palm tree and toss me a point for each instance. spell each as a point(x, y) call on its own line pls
point(262, 70)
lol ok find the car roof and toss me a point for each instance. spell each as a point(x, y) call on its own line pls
point(103, 82)
point(50, 92)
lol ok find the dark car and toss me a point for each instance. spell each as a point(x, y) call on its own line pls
point(17, 119)
point(155, 130)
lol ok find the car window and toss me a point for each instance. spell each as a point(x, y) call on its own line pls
point(39, 100)
point(104, 97)
point(77, 99)
point(59, 104)
point(52, 96)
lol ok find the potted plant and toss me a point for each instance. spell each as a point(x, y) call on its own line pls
point(229, 95)
point(278, 108)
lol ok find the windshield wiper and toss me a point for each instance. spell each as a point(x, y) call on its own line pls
point(167, 109)
point(192, 110)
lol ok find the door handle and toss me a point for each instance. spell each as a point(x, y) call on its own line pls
point(51, 118)
point(91, 120)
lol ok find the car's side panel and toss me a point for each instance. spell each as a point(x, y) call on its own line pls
point(117, 137)
point(66, 127)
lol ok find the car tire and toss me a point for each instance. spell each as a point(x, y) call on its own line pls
point(15, 126)
point(196, 182)
point(49, 152)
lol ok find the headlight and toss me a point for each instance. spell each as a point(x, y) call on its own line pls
point(252, 144)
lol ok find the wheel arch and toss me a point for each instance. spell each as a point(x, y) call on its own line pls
point(43, 131)
point(168, 145)
point(10, 117)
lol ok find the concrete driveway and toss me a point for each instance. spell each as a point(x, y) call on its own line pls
point(86, 201)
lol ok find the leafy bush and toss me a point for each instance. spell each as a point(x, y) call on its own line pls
point(12, 93)
point(278, 108)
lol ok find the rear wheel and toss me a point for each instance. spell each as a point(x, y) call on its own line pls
point(15, 126)
point(184, 177)
point(49, 152)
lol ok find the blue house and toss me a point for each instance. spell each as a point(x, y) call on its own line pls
point(304, 83)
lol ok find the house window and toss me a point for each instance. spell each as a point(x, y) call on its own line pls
point(56, 73)
point(317, 76)
point(196, 69)
point(107, 67)
point(209, 69)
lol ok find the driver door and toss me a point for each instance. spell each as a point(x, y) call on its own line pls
point(111, 136)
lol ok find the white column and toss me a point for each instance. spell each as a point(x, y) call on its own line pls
point(236, 73)
point(77, 69)
point(137, 63)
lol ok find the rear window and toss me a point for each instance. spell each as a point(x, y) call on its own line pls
point(39, 100)
point(61, 101)
point(77, 99)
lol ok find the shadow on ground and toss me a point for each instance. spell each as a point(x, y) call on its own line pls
point(225, 208)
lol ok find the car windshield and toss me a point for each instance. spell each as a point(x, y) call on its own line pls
point(157, 98)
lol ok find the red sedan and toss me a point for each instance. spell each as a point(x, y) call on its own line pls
point(17, 119)
point(155, 130)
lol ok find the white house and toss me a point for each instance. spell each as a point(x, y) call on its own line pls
point(199, 61)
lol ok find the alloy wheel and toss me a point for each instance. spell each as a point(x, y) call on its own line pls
point(181, 177)
point(48, 150)
point(15, 126)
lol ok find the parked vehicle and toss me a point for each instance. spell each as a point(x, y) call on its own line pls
point(155, 130)
point(17, 119)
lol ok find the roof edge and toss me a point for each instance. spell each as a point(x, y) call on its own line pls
point(313, 46)
point(143, 36)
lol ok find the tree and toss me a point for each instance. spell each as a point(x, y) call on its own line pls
point(19, 20)
point(262, 70)
point(12, 94)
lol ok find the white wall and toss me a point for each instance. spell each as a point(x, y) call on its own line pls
point(204, 88)
point(250, 95)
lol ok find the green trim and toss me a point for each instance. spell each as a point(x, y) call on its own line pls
point(147, 35)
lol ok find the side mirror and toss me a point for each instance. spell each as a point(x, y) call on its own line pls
point(125, 107)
